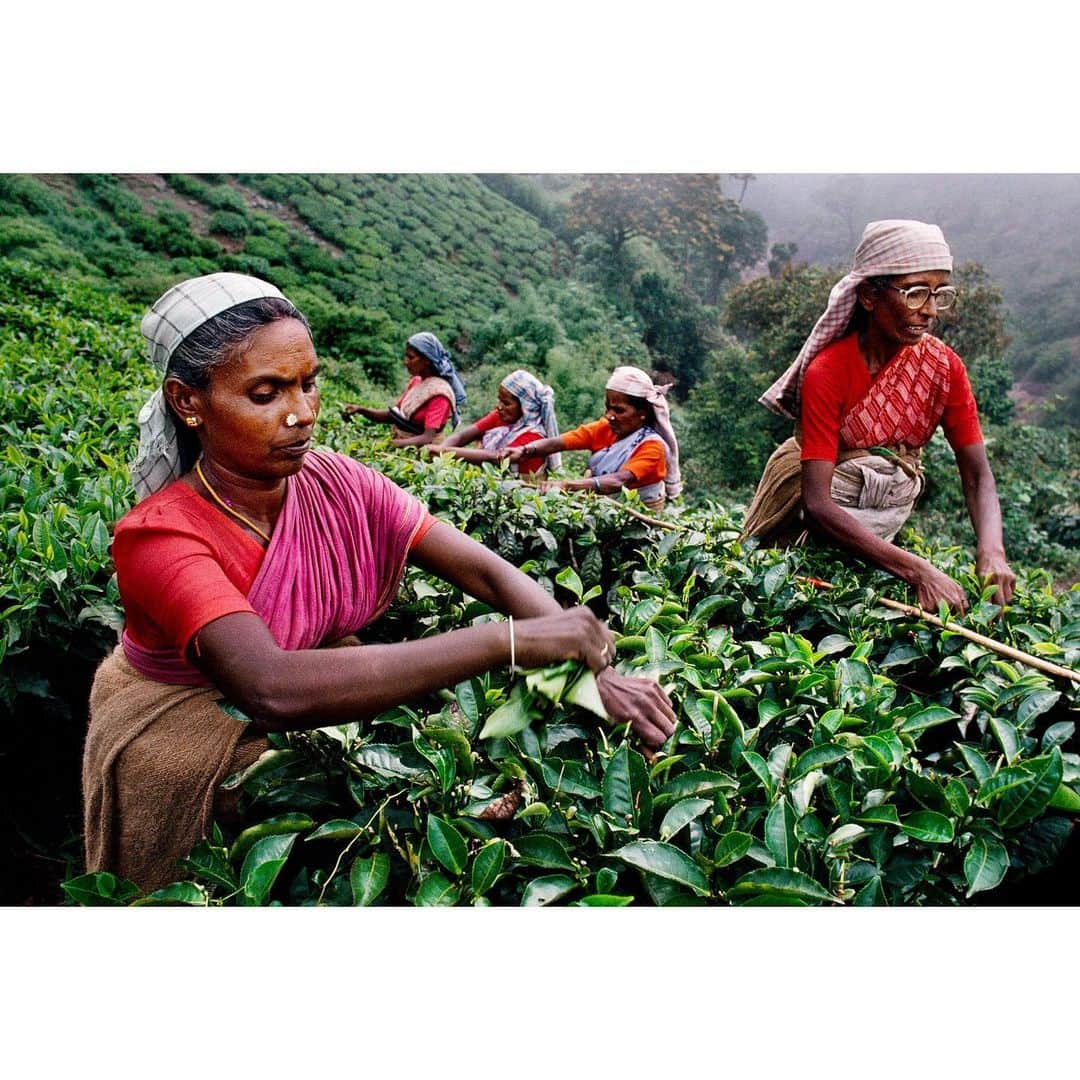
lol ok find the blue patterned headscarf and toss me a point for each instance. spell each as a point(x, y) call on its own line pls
point(427, 344)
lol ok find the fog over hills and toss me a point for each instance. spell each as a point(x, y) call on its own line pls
point(1023, 227)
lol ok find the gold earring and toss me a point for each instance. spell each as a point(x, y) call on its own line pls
point(191, 421)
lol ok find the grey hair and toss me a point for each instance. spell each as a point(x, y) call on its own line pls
point(224, 337)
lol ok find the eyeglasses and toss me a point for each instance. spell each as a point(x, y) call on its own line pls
point(917, 295)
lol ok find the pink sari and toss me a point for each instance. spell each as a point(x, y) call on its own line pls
point(333, 564)
point(160, 741)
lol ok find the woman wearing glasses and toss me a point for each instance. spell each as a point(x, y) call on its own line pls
point(869, 387)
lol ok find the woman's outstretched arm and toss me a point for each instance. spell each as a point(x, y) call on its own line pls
point(285, 690)
point(984, 508)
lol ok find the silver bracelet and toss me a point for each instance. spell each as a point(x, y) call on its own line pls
point(513, 652)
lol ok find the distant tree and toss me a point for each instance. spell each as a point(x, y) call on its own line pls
point(728, 434)
point(708, 236)
point(673, 327)
point(780, 256)
point(975, 328)
point(774, 316)
point(745, 178)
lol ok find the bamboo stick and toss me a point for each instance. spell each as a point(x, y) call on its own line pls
point(980, 639)
point(919, 613)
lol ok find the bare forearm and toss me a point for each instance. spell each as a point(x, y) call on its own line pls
point(425, 437)
point(542, 447)
point(300, 690)
point(479, 572)
point(462, 437)
point(841, 527)
point(379, 416)
point(984, 509)
point(469, 453)
point(608, 484)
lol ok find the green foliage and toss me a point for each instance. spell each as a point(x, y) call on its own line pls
point(708, 236)
point(729, 435)
point(229, 223)
point(1039, 495)
point(829, 750)
point(347, 817)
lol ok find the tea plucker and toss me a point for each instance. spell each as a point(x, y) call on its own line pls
point(867, 390)
point(432, 397)
point(632, 446)
point(524, 413)
point(249, 549)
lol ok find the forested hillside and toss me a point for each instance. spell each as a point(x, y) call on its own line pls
point(781, 690)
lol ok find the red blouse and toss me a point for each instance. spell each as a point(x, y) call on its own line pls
point(181, 563)
point(433, 413)
point(648, 462)
point(526, 464)
point(837, 379)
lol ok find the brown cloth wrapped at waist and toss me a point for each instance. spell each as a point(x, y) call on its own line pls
point(774, 516)
point(155, 758)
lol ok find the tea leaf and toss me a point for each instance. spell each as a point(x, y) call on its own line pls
point(776, 884)
point(731, 847)
point(262, 864)
point(368, 878)
point(780, 833)
point(437, 891)
point(447, 844)
point(929, 827)
point(984, 865)
point(487, 865)
point(1026, 801)
point(681, 814)
point(666, 861)
point(542, 891)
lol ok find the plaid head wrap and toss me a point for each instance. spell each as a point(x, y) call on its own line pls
point(537, 409)
point(887, 248)
point(175, 315)
point(636, 383)
point(427, 344)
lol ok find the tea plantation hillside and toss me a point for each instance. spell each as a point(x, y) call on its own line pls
point(829, 750)
point(364, 256)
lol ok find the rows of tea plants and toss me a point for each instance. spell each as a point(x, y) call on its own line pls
point(829, 750)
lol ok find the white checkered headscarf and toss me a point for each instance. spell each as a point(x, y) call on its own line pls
point(175, 315)
point(887, 248)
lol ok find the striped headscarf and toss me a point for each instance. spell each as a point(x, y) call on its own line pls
point(175, 315)
point(636, 383)
point(427, 344)
point(894, 246)
point(537, 411)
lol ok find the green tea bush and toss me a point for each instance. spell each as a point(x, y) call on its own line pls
point(829, 750)
point(229, 223)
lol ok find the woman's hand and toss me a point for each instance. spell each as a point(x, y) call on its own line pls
point(512, 454)
point(993, 569)
point(641, 703)
point(574, 634)
point(933, 586)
